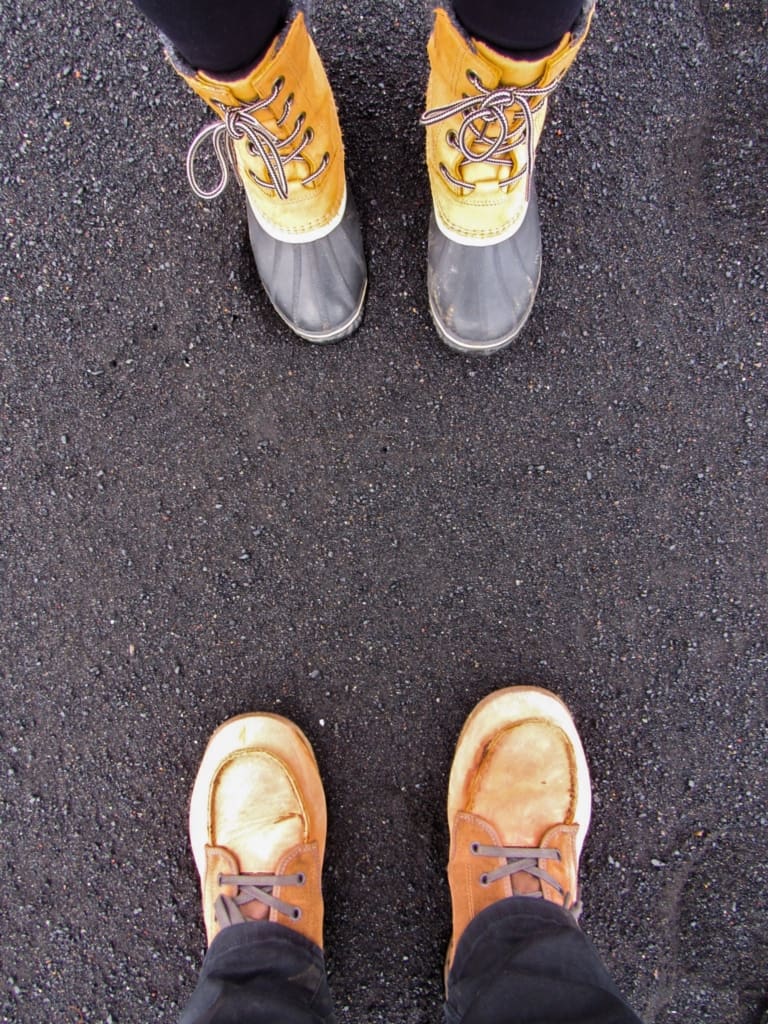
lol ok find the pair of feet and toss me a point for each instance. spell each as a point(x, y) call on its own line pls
point(518, 812)
point(279, 132)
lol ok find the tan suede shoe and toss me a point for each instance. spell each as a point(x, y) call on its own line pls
point(519, 802)
point(257, 825)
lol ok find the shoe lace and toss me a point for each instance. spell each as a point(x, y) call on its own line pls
point(255, 887)
point(526, 858)
point(275, 152)
point(510, 109)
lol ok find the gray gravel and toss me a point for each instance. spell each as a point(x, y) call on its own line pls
point(201, 515)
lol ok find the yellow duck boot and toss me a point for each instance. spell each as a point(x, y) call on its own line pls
point(485, 113)
point(279, 131)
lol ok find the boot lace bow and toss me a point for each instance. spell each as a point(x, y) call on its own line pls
point(275, 152)
point(255, 887)
point(525, 858)
point(510, 110)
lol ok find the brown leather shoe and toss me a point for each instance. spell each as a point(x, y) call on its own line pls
point(257, 825)
point(519, 803)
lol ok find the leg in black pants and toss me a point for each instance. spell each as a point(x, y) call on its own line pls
point(519, 962)
point(223, 37)
point(259, 972)
point(228, 36)
point(523, 961)
point(518, 27)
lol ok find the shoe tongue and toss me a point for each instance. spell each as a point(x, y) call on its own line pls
point(524, 884)
point(484, 172)
point(496, 72)
point(261, 844)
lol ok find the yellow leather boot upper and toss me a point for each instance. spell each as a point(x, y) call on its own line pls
point(280, 130)
point(485, 113)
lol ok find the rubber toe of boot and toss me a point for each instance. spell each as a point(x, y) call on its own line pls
point(317, 288)
point(481, 296)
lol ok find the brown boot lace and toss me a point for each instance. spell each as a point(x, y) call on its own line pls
point(510, 109)
point(275, 152)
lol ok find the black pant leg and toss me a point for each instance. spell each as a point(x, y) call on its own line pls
point(220, 36)
point(229, 35)
point(526, 961)
point(518, 27)
point(261, 973)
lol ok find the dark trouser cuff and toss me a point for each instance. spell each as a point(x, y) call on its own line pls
point(518, 28)
point(523, 961)
point(260, 973)
point(225, 38)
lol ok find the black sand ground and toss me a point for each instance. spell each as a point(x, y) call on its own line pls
point(202, 515)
